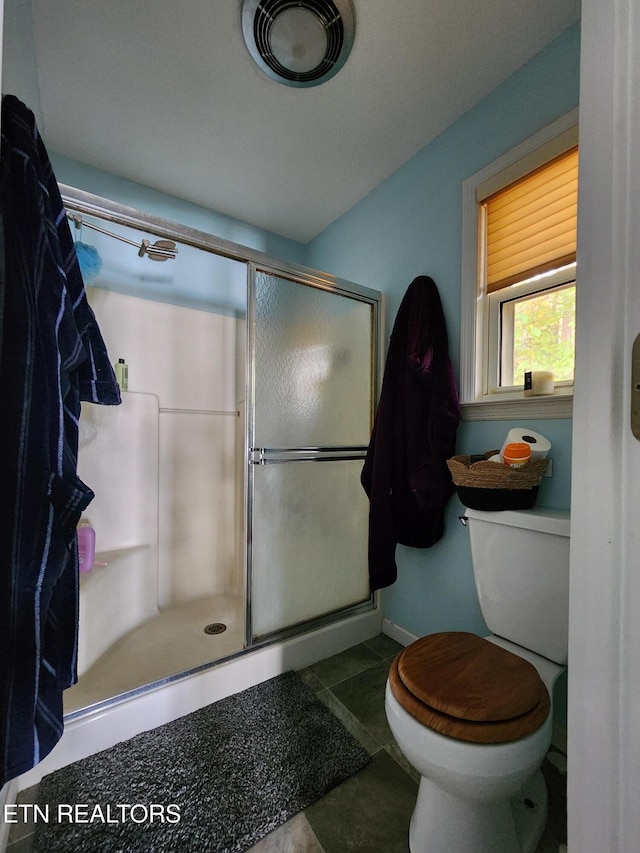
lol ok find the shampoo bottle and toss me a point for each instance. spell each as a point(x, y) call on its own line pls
point(121, 370)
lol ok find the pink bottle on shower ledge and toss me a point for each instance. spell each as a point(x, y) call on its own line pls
point(86, 547)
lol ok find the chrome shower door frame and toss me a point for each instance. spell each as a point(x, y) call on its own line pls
point(258, 456)
point(88, 204)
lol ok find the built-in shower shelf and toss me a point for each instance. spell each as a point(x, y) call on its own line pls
point(103, 558)
point(120, 552)
point(114, 553)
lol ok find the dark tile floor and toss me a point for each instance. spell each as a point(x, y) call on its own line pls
point(370, 812)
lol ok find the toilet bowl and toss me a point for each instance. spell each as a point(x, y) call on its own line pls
point(483, 793)
point(473, 714)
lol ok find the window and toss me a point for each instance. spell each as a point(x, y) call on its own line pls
point(532, 327)
point(518, 288)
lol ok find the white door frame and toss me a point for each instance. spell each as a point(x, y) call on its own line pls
point(604, 655)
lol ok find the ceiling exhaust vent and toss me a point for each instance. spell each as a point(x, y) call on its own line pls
point(299, 42)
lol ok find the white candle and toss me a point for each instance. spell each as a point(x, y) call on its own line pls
point(538, 383)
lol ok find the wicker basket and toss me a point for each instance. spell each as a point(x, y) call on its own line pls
point(493, 486)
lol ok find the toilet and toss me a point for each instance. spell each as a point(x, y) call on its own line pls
point(473, 714)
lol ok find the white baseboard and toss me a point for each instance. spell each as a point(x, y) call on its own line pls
point(398, 633)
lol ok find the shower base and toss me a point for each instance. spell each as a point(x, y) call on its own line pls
point(96, 729)
point(170, 643)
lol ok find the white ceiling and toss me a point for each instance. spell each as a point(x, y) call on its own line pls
point(165, 93)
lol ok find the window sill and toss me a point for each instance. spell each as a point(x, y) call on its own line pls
point(531, 408)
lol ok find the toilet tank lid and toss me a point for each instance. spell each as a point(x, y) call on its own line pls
point(555, 521)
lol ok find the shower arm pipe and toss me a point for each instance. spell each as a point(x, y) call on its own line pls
point(165, 249)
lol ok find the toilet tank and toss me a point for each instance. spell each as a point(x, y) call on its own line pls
point(521, 570)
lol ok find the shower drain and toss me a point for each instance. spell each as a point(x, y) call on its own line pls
point(215, 628)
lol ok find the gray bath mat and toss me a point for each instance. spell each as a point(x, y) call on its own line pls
point(215, 781)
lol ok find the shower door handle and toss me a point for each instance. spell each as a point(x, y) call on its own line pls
point(635, 388)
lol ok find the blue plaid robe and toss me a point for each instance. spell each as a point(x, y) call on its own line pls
point(53, 356)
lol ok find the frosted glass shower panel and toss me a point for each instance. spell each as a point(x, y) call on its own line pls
point(313, 371)
point(313, 366)
point(309, 554)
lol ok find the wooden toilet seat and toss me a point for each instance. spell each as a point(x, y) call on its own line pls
point(468, 688)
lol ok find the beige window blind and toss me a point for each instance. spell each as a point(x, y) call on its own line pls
point(531, 224)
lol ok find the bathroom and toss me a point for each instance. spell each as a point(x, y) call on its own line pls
point(409, 224)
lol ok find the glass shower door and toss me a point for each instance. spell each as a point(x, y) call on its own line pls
point(312, 403)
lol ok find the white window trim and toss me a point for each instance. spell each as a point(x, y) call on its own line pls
point(533, 152)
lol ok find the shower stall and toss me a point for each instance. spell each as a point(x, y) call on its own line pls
point(229, 515)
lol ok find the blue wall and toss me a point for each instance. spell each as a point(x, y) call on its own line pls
point(411, 225)
point(177, 210)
